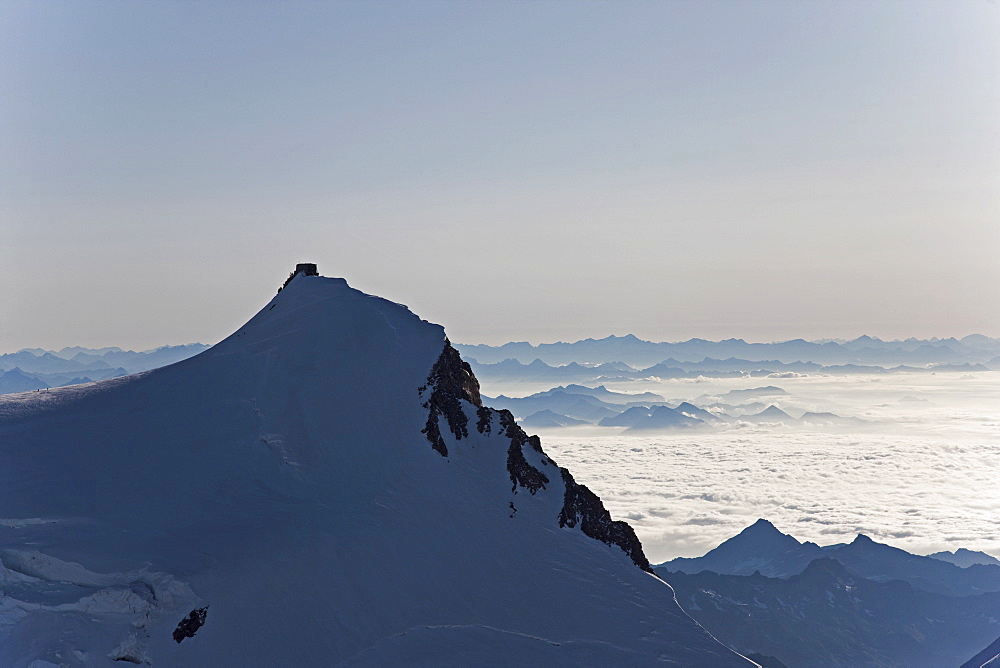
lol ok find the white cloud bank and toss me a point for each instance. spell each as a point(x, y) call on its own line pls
point(922, 478)
point(685, 495)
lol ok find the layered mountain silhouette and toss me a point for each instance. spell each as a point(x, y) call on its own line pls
point(16, 380)
point(35, 368)
point(883, 562)
point(860, 604)
point(578, 406)
point(965, 558)
point(864, 350)
point(641, 418)
point(606, 395)
point(547, 419)
point(762, 548)
point(692, 411)
point(828, 616)
point(770, 414)
point(574, 405)
point(512, 370)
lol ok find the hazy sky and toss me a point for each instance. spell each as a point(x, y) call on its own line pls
point(512, 170)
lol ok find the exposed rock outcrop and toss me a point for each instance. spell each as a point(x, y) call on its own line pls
point(583, 507)
point(521, 472)
point(450, 381)
point(190, 624)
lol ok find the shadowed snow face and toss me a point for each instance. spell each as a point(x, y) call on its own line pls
point(274, 482)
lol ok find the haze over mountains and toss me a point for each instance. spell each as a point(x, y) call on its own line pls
point(563, 406)
point(591, 361)
point(581, 373)
point(34, 368)
point(864, 350)
point(577, 405)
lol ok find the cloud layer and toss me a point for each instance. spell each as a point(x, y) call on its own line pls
point(922, 477)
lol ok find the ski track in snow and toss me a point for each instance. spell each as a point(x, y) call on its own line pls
point(486, 641)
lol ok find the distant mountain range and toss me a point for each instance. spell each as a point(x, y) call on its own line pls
point(574, 405)
point(657, 417)
point(965, 558)
point(857, 604)
point(546, 419)
point(762, 548)
point(34, 368)
point(629, 349)
point(592, 361)
point(512, 370)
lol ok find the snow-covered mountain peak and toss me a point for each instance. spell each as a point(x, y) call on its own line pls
point(306, 304)
point(322, 487)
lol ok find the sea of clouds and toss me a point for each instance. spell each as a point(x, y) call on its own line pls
point(921, 474)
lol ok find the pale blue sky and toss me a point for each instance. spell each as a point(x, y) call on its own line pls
point(512, 170)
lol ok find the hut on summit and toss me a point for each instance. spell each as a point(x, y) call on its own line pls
point(306, 268)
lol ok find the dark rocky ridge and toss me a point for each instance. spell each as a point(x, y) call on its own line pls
point(521, 472)
point(451, 381)
point(584, 507)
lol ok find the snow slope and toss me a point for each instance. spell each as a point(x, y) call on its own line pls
point(285, 498)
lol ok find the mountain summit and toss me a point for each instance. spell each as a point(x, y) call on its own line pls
point(322, 487)
point(761, 547)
